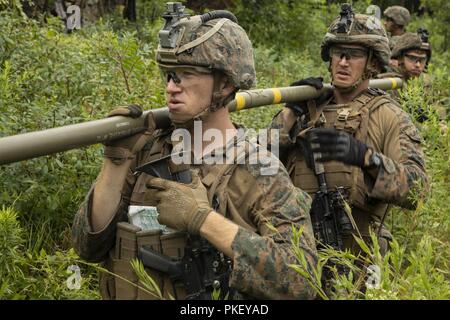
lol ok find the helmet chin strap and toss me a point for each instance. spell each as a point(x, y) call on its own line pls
point(217, 102)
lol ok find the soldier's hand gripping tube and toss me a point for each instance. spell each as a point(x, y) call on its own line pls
point(119, 150)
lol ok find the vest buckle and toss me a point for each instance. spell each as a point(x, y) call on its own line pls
point(343, 114)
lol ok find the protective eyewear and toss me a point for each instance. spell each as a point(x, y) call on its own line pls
point(182, 74)
point(416, 59)
point(348, 53)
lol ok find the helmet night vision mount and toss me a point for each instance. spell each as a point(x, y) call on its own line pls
point(347, 14)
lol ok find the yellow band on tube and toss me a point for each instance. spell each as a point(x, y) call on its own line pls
point(240, 102)
point(394, 83)
point(276, 95)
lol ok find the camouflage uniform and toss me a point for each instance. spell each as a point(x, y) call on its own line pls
point(376, 120)
point(252, 195)
point(260, 264)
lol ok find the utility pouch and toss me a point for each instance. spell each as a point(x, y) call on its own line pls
point(173, 245)
point(129, 238)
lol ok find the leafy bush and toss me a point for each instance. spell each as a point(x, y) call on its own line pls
point(30, 275)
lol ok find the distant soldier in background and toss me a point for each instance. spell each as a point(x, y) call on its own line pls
point(396, 18)
point(412, 51)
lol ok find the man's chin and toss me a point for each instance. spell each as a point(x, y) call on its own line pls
point(341, 84)
point(178, 119)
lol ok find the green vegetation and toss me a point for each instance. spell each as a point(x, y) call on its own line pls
point(49, 79)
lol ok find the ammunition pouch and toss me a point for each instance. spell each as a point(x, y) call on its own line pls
point(125, 285)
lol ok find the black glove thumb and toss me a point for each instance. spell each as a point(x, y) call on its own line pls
point(316, 82)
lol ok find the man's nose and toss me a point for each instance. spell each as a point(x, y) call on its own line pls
point(343, 60)
point(172, 87)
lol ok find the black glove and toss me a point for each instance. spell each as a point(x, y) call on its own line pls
point(300, 107)
point(311, 81)
point(331, 144)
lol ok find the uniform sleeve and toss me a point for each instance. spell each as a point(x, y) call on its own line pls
point(401, 178)
point(261, 260)
point(94, 246)
point(286, 138)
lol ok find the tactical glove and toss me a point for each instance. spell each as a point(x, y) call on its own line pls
point(300, 107)
point(183, 207)
point(331, 144)
point(122, 149)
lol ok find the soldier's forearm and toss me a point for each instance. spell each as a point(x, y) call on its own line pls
point(107, 193)
point(399, 183)
point(220, 232)
point(289, 118)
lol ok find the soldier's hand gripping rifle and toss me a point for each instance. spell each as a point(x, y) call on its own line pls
point(328, 212)
point(329, 217)
point(328, 209)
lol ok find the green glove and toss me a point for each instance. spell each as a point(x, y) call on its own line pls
point(122, 149)
point(183, 207)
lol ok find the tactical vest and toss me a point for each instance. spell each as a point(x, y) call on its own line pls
point(354, 119)
point(130, 238)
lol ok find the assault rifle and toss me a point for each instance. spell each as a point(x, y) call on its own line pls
point(329, 211)
point(202, 269)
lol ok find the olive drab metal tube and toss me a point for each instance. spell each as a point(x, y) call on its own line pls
point(40, 143)
point(262, 97)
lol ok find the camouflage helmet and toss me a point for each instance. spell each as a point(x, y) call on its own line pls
point(410, 41)
point(361, 29)
point(398, 14)
point(211, 40)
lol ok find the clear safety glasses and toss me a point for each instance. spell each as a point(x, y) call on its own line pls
point(348, 53)
point(182, 74)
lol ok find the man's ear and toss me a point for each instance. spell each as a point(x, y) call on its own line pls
point(375, 65)
point(226, 87)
